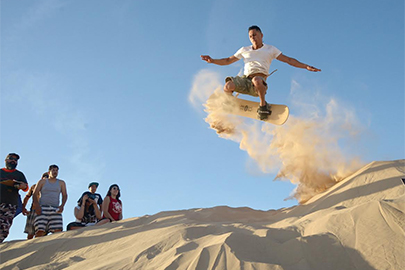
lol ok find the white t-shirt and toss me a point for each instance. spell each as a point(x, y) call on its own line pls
point(257, 61)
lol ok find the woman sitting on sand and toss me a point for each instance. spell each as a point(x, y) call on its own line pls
point(87, 212)
point(112, 205)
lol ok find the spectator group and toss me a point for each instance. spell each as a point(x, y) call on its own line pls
point(49, 197)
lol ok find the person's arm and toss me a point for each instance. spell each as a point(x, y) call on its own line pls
point(120, 218)
point(64, 196)
point(100, 205)
point(106, 203)
point(96, 209)
point(24, 204)
point(295, 63)
point(35, 196)
point(21, 182)
point(79, 212)
point(21, 185)
point(25, 201)
point(221, 62)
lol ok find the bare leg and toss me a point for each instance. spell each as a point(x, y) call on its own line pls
point(103, 221)
point(261, 89)
point(39, 233)
point(229, 87)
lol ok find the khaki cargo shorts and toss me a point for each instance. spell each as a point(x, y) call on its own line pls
point(244, 85)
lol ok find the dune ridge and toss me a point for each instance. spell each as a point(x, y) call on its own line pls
point(356, 224)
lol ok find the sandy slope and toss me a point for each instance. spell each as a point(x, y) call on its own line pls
point(357, 224)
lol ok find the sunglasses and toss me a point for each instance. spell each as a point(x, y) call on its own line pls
point(12, 158)
point(116, 188)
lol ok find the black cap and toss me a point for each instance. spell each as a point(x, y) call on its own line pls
point(93, 183)
point(13, 154)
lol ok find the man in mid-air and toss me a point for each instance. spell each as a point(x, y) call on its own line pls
point(257, 60)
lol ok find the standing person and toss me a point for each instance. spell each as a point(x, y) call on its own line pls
point(112, 205)
point(48, 207)
point(31, 215)
point(11, 181)
point(97, 197)
point(257, 58)
point(87, 212)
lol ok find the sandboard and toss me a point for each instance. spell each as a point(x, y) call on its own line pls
point(247, 108)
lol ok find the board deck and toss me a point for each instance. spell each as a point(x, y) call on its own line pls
point(247, 108)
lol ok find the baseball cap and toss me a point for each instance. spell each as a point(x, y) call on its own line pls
point(93, 183)
point(13, 154)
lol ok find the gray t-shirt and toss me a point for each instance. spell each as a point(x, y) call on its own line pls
point(50, 194)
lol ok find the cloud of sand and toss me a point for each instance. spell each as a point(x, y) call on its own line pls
point(309, 150)
point(206, 83)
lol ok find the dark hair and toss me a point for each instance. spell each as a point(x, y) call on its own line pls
point(119, 192)
point(80, 201)
point(255, 27)
point(53, 166)
point(88, 193)
point(45, 175)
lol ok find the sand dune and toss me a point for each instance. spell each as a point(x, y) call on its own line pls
point(358, 223)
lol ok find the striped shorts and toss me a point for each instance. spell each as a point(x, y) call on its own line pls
point(49, 220)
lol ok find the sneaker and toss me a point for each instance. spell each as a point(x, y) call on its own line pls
point(263, 112)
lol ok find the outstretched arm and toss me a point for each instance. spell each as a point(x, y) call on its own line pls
point(221, 62)
point(295, 63)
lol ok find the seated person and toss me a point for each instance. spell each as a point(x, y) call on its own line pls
point(87, 212)
point(112, 205)
point(93, 188)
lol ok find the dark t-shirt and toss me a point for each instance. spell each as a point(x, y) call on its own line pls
point(98, 199)
point(88, 216)
point(9, 194)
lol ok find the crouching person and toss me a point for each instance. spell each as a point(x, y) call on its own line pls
point(87, 212)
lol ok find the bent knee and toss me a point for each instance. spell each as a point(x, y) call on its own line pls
point(229, 86)
point(258, 82)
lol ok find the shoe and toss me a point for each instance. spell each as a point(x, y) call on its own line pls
point(263, 112)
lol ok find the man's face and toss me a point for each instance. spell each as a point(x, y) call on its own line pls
point(93, 188)
point(11, 162)
point(53, 173)
point(256, 37)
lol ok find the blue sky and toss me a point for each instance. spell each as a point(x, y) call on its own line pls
point(102, 89)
